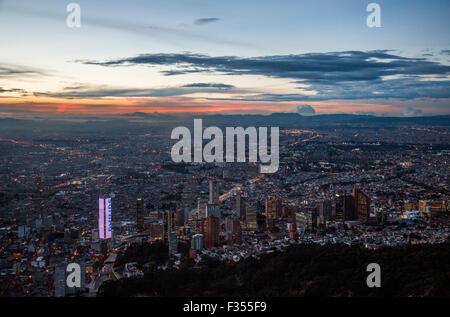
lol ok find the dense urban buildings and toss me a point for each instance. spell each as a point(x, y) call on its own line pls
point(71, 197)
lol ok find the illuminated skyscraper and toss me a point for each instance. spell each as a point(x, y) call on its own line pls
point(272, 210)
point(213, 192)
point(104, 218)
point(212, 210)
point(252, 218)
point(305, 220)
point(139, 215)
point(362, 205)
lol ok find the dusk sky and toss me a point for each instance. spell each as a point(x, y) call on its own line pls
point(246, 56)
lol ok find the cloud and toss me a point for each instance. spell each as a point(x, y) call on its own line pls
point(445, 52)
point(2, 90)
point(402, 88)
point(213, 85)
point(305, 110)
point(412, 112)
point(204, 21)
point(334, 75)
point(101, 91)
point(8, 71)
point(330, 68)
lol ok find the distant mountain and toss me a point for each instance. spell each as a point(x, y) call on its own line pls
point(142, 120)
point(294, 120)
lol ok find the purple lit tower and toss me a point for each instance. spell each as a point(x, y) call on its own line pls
point(104, 218)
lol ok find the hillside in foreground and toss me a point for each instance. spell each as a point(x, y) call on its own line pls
point(303, 270)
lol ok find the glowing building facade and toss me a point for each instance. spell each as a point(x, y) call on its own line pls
point(104, 218)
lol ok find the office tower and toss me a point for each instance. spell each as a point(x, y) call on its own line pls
point(212, 231)
point(362, 205)
point(324, 211)
point(180, 217)
point(304, 221)
point(229, 229)
point(237, 232)
point(173, 243)
point(212, 210)
point(251, 218)
point(197, 242)
point(198, 225)
point(240, 207)
point(104, 218)
point(293, 234)
point(272, 210)
point(139, 215)
point(168, 223)
point(213, 192)
point(339, 208)
point(201, 208)
point(349, 208)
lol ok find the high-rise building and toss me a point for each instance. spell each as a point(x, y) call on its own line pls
point(237, 232)
point(293, 234)
point(173, 243)
point(212, 210)
point(104, 218)
point(345, 208)
point(212, 232)
point(273, 209)
point(168, 223)
point(240, 207)
point(339, 208)
point(306, 220)
point(251, 218)
point(197, 242)
point(362, 205)
point(229, 229)
point(201, 208)
point(213, 192)
point(324, 210)
point(139, 215)
point(180, 217)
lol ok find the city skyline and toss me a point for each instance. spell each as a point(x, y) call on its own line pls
point(198, 57)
